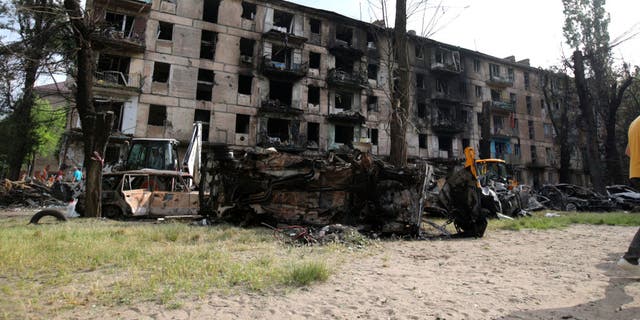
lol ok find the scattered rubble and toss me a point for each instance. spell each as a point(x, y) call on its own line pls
point(32, 194)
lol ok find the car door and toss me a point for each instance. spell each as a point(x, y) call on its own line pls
point(136, 193)
point(171, 197)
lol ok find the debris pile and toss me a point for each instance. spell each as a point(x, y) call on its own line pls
point(32, 194)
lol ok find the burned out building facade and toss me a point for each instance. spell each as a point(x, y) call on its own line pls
point(277, 74)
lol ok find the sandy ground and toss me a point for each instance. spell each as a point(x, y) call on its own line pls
point(558, 274)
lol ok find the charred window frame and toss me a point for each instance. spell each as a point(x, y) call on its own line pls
point(529, 105)
point(371, 41)
point(313, 95)
point(343, 100)
point(313, 133)
point(527, 81)
point(344, 35)
point(161, 72)
point(119, 22)
point(245, 83)
point(532, 130)
point(203, 116)
point(344, 134)
point(246, 47)
point(248, 10)
point(462, 89)
point(242, 123)
point(204, 90)
point(165, 31)
point(419, 51)
point(208, 44)
point(279, 128)
point(422, 141)
point(422, 110)
point(372, 71)
point(157, 115)
point(372, 103)
point(316, 26)
point(283, 21)
point(441, 86)
point(534, 153)
point(420, 83)
point(445, 143)
point(210, 10)
point(314, 60)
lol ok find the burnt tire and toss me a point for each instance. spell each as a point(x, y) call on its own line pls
point(112, 212)
point(45, 213)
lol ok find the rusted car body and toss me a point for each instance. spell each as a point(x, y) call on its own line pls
point(570, 197)
point(353, 189)
point(625, 197)
point(143, 193)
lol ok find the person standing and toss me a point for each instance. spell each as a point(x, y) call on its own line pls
point(77, 175)
point(629, 261)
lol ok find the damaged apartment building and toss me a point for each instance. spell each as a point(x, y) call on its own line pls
point(277, 74)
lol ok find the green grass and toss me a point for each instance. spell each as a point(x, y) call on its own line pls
point(540, 222)
point(49, 268)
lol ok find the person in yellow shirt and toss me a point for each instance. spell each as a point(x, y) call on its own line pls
point(629, 261)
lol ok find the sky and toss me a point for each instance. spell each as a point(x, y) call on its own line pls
point(522, 28)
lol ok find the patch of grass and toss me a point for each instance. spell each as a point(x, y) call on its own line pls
point(541, 222)
point(93, 262)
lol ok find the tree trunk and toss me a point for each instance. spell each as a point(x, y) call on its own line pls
point(400, 104)
point(614, 161)
point(588, 116)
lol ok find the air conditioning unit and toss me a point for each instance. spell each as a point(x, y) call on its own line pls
point(246, 59)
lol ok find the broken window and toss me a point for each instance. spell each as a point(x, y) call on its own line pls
point(478, 91)
point(115, 107)
point(516, 149)
point(476, 65)
point(344, 63)
point(281, 57)
point(444, 143)
point(283, 21)
point(534, 153)
point(344, 36)
point(278, 129)
point(526, 80)
point(422, 110)
point(113, 69)
point(442, 86)
point(315, 26)
point(372, 103)
point(246, 48)
point(513, 98)
point(208, 44)
point(494, 70)
point(463, 116)
point(157, 115)
point(529, 105)
point(510, 74)
point(343, 100)
point(344, 134)
point(498, 123)
point(210, 11)
point(372, 71)
point(314, 60)
point(373, 136)
point(548, 130)
point(203, 116)
point(420, 84)
point(204, 89)
point(248, 10)
point(165, 31)
point(313, 95)
point(161, 72)
point(371, 41)
point(244, 84)
point(496, 95)
point(242, 123)
point(463, 89)
point(119, 23)
point(313, 134)
point(532, 132)
point(281, 92)
point(422, 141)
point(419, 52)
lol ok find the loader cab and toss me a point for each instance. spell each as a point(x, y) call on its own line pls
point(150, 153)
point(493, 169)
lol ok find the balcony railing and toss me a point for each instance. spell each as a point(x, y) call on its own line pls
point(341, 78)
point(277, 106)
point(284, 35)
point(446, 123)
point(286, 71)
point(500, 80)
point(446, 67)
point(503, 132)
point(502, 106)
point(111, 38)
point(117, 79)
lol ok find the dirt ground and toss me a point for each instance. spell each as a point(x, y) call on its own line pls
point(557, 274)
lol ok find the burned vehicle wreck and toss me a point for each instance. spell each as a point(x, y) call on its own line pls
point(568, 197)
point(624, 197)
point(354, 188)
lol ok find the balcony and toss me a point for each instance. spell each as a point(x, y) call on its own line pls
point(346, 117)
point(499, 106)
point(283, 35)
point(276, 106)
point(109, 38)
point(449, 68)
point(126, 5)
point(446, 123)
point(500, 81)
point(283, 71)
point(341, 78)
point(503, 133)
point(345, 49)
point(117, 81)
point(445, 96)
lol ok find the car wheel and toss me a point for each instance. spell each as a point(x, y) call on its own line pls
point(111, 212)
point(571, 207)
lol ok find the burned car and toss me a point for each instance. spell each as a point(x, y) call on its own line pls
point(624, 197)
point(146, 193)
point(568, 197)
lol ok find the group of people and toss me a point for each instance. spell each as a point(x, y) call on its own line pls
point(46, 177)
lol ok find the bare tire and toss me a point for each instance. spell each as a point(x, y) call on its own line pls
point(48, 212)
point(571, 207)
